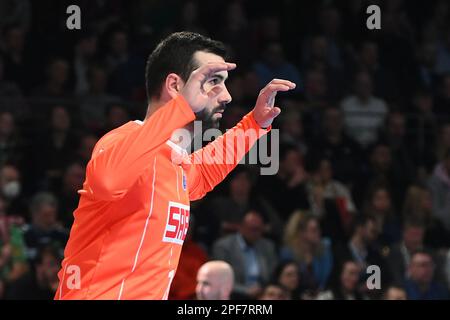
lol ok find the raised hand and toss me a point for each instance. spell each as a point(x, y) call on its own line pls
point(264, 111)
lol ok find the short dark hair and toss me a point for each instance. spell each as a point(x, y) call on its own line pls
point(175, 54)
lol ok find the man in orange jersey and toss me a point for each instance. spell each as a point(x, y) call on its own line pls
point(133, 213)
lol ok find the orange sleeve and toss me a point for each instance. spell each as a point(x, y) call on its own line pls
point(117, 162)
point(211, 164)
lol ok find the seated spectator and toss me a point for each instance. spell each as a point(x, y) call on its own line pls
point(193, 256)
point(334, 144)
point(13, 260)
point(286, 190)
point(439, 185)
point(252, 257)
point(87, 144)
point(362, 249)
point(419, 206)
point(304, 244)
point(11, 189)
point(346, 285)
point(378, 205)
point(287, 276)
point(57, 81)
point(116, 114)
point(215, 281)
point(11, 145)
point(400, 254)
point(395, 293)
point(364, 114)
point(41, 284)
point(274, 291)
point(324, 191)
point(420, 283)
point(45, 229)
point(10, 92)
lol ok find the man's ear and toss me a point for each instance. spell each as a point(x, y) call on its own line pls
point(173, 85)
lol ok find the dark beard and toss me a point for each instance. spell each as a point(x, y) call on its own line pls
point(206, 117)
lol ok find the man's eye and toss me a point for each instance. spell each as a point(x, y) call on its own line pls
point(214, 81)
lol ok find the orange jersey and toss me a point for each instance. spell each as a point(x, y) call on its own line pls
point(133, 213)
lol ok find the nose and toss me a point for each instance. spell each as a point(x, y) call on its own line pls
point(225, 97)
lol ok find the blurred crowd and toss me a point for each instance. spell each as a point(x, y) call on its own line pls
point(364, 176)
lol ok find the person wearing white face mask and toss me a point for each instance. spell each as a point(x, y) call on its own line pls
point(11, 190)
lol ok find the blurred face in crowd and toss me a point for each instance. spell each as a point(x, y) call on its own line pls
point(381, 158)
point(350, 276)
point(423, 102)
point(369, 232)
point(15, 40)
point(117, 116)
point(10, 186)
point(427, 54)
point(45, 216)
point(60, 119)
point(315, 84)
point(6, 124)
point(426, 201)
point(189, 13)
point(74, 178)
point(292, 161)
point(252, 227)
point(394, 293)
point(274, 55)
point(421, 269)
point(312, 232)
point(88, 46)
point(369, 54)
point(58, 72)
point(289, 277)
point(87, 146)
point(214, 281)
point(381, 200)
point(292, 124)
point(363, 85)
point(330, 21)
point(396, 125)
point(413, 237)
point(445, 136)
point(319, 48)
point(119, 43)
point(325, 171)
point(446, 87)
point(273, 292)
point(240, 185)
point(47, 271)
point(333, 123)
point(98, 80)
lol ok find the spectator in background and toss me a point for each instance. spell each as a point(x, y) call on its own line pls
point(41, 284)
point(420, 283)
point(286, 190)
point(422, 128)
point(400, 253)
point(12, 96)
point(84, 53)
point(67, 192)
point(291, 128)
point(330, 200)
point(443, 98)
point(55, 149)
point(45, 229)
point(423, 72)
point(303, 243)
point(439, 185)
point(56, 84)
point(251, 256)
point(274, 291)
point(193, 256)
point(87, 144)
point(287, 276)
point(346, 285)
point(274, 65)
point(364, 113)
point(116, 114)
point(333, 143)
point(11, 189)
point(443, 53)
point(96, 99)
point(13, 260)
point(11, 145)
point(419, 206)
point(395, 293)
point(17, 63)
point(378, 205)
point(362, 249)
point(215, 281)
point(443, 142)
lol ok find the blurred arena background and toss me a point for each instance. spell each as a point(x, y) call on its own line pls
point(364, 174)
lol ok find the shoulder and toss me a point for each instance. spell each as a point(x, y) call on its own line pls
point(116, 134)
